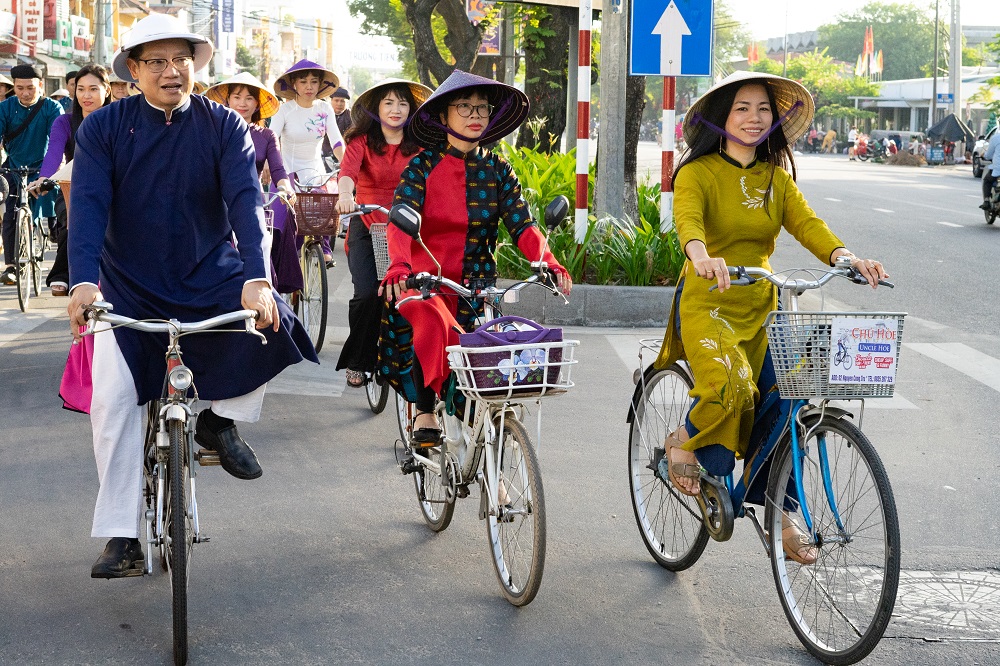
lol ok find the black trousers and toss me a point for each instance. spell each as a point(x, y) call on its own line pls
point(9, 217)
point(988, 180)
point(364, 312)
point(60, 267)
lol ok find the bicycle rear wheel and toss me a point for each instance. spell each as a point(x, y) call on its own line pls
point(25, 267)
point(840, 605)
point(180, 535)
point(377, 391)
point(670, 522)
point(313, 303)
point(517, 534)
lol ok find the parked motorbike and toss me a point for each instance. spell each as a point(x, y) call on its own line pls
point(870, 149)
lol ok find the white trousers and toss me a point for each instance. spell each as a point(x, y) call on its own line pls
point(119, 433)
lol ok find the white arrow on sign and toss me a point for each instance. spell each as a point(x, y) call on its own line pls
point(671, 28)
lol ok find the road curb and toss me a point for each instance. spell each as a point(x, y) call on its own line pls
point(595, 305)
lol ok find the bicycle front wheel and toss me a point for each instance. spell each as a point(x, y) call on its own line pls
point(840, 605)
point(180, 534)
point(670, 522)
point(36, 250)
point(377, 391)
point(432, 495)
point(313, 305)
point(25, 265)
point(516, 530)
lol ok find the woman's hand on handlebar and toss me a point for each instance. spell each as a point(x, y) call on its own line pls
point(346, 204)
point(285, 187)
point(871, 269)
point(394, 283)
point(713, 268)
point(564, 283)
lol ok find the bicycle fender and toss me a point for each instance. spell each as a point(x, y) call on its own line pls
point(811, 413)
point(640, 383)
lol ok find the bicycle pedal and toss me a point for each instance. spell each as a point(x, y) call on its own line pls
point(409, 465)
point(462, 491)
point(654, 464)
point(207, 458)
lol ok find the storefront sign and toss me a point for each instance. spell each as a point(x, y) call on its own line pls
point(81, 37)
point(227, 16)
point(32, 21)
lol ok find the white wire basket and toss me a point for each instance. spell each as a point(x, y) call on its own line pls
point(513, 373)
point(810, 362)
point(381, 246)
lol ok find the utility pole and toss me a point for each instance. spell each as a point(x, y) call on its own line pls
point(609, 198)
point(934, 69)
point(100, 48)
point(955, 68)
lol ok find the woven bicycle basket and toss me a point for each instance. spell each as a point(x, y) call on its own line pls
point(802, 350)
point(316, 214)
point(380, 245)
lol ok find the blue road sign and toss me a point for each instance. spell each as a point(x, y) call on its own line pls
point(671, 38)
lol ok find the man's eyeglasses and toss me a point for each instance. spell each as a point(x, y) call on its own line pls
point(157, 65)
point(465, 109)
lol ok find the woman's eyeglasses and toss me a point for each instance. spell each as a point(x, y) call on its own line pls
point(157, 65)
point(465, 109)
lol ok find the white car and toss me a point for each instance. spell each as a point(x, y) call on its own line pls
point(977, 153)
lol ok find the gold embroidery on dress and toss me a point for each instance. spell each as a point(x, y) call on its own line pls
point(752, 202)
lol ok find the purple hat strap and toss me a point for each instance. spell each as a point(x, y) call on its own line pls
point(697, 118)
point(497, 115)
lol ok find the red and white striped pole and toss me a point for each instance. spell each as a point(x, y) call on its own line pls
point(583, 122)
point(667, 157)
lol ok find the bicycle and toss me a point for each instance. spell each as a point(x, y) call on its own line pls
point(825, 474)
point(171, 515)
point(489, 443)
point(843, 356)
point(29, 238)
point(316, 216)
point(376, 390)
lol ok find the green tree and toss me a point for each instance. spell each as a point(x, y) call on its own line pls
point(546, 33)
point(245, 58)
point(903, 32)
point(438, 33)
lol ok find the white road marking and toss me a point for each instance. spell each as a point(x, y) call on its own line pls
point(977, 365)
point(950, 224)
point(832, 199)
point(14, 323)
point(883, 210)
point(974, 196)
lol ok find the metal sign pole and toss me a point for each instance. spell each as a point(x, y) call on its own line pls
point(667, 157)
point(583, 122)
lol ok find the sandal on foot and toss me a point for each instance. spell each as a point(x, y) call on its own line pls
point(424, 437)
point(355, 378)
point(798, 545)
point(679, 470)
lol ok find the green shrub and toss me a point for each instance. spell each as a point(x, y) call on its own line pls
point(615, 252)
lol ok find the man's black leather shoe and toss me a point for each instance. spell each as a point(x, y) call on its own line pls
point(122, 557)
point(235, 455)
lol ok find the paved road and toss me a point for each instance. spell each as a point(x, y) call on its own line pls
point(325, 558)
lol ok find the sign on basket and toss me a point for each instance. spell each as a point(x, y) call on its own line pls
point(863, 351)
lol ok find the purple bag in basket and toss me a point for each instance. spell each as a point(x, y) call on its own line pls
point(505, 368)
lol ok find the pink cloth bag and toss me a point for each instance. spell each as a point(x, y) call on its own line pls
point(77, 388)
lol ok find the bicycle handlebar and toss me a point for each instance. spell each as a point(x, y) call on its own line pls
point(269, 198)
point(99, 311)
point(746, 275)
point(364, 209)
point(313, 182)
point(426, 282)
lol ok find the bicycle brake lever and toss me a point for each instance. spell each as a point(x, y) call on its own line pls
point(253, 329)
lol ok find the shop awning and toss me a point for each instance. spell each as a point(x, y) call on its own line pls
point(55, 68)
